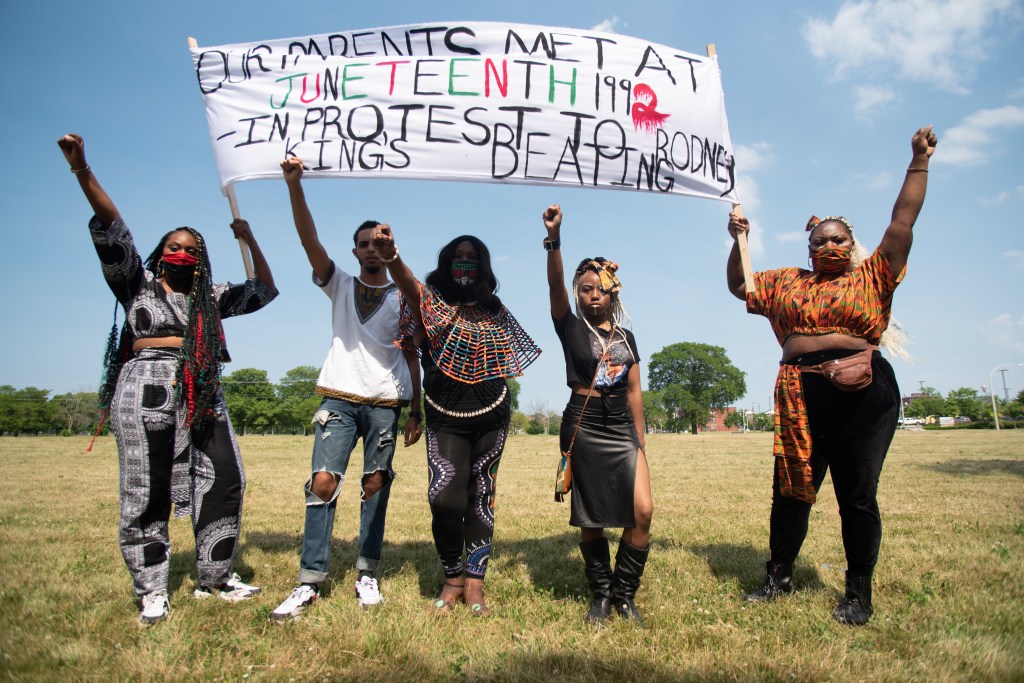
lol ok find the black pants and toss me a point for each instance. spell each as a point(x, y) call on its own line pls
point(850, 435)
point(463, 455)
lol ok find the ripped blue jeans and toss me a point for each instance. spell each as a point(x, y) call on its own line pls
point(339, 425)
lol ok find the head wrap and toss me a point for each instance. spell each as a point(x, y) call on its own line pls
point(605, 270)
point(814, 221)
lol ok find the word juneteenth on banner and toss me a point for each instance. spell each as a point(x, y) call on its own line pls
point(481, 102)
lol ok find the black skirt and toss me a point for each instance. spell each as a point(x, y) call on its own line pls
point(603, 461)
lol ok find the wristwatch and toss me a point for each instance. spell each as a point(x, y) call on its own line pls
point(552, 245)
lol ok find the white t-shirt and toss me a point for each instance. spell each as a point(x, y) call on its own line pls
point(363, 364)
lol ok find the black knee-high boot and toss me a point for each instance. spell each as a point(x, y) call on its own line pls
point(778, 581)
point(597, 565)
point(629, 567)
point(855, 608)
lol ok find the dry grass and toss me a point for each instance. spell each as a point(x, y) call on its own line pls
point(948, 591)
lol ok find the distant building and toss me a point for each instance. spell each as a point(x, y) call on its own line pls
point(716, 421)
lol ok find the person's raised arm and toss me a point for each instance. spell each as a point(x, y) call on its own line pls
point(552, 217)
point(261, 268)
point(734, 267)
point(304, 225)
point(73, 147)
point(899, 236)
point(384, 241)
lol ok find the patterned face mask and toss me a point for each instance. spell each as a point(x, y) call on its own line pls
point(465, 272)
point(831, 259)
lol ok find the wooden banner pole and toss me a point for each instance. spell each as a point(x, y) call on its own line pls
point(741, 238)
point(233, 203)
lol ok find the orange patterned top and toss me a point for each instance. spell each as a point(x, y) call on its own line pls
point(798, 301)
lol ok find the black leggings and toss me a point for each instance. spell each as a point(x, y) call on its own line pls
point(463, 456)
point(850, 435)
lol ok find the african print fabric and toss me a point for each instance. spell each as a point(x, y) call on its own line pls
point(160, 464)
point(470, 344)
point(792, 445)
point(798, 301)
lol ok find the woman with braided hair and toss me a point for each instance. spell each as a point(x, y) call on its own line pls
point(602, 427)
point(830, 321)
point(469, 344)
point(161, 385)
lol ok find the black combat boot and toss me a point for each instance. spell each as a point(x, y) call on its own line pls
point(778, 581)
point(855, 609)
point(629, 567)
point(597, 564)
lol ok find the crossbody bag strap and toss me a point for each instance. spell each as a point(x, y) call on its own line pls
point(590, 390)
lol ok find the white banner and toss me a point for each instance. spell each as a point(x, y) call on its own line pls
point(483, 102)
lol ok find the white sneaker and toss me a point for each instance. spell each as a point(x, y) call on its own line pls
point(155, 608)
point(368, 592)
point(232, 590)
point(295, 604)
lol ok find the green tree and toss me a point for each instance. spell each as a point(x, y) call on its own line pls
point(26, 411)
point(734, 419)
point(764, 422)
point(929, 402)
point(514, 387)
point(519, 423)
point(297, 402)
point(251, 401)
point(964, 401)
point(77, 413)
point(655, 415)
point(694, 379)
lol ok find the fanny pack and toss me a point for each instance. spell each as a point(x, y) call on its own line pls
point(851, 373)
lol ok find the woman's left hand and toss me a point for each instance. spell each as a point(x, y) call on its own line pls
point(240, 227)
point(412, 431)
point(924, 142)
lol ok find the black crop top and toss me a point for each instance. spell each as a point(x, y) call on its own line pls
point(583, 351)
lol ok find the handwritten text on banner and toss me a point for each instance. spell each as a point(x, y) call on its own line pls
point(473, 101)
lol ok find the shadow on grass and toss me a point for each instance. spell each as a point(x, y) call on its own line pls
point(978, 467)
point(549, 560)
point(746, 564)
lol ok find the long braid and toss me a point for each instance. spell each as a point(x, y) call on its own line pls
point(198, 375)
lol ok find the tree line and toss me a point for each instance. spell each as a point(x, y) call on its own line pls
point(687, 382)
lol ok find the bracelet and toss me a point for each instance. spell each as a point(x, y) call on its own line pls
point(81, 170)
point(392, 259)
point(917, 170)
point(415, 415)
point(552, 245)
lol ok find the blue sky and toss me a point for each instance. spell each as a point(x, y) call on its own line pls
point(822, 98)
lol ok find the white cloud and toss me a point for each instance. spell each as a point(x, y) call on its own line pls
point(1015, 257)
point(794, 236)
point(753, 157)
point(871, 100)
point(971, 143)
point(1002, 197)
point(876, 181)
point(607, 26)
point(932, 41)
point(1005, 333)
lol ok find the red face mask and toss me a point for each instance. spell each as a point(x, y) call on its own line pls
point(831, 259)
point(180, 266)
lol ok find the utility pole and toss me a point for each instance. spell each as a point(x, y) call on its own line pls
point(1006, 394)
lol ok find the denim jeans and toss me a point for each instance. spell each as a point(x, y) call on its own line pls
point(339, 425)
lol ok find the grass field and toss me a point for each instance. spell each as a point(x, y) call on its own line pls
point(949, 588)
